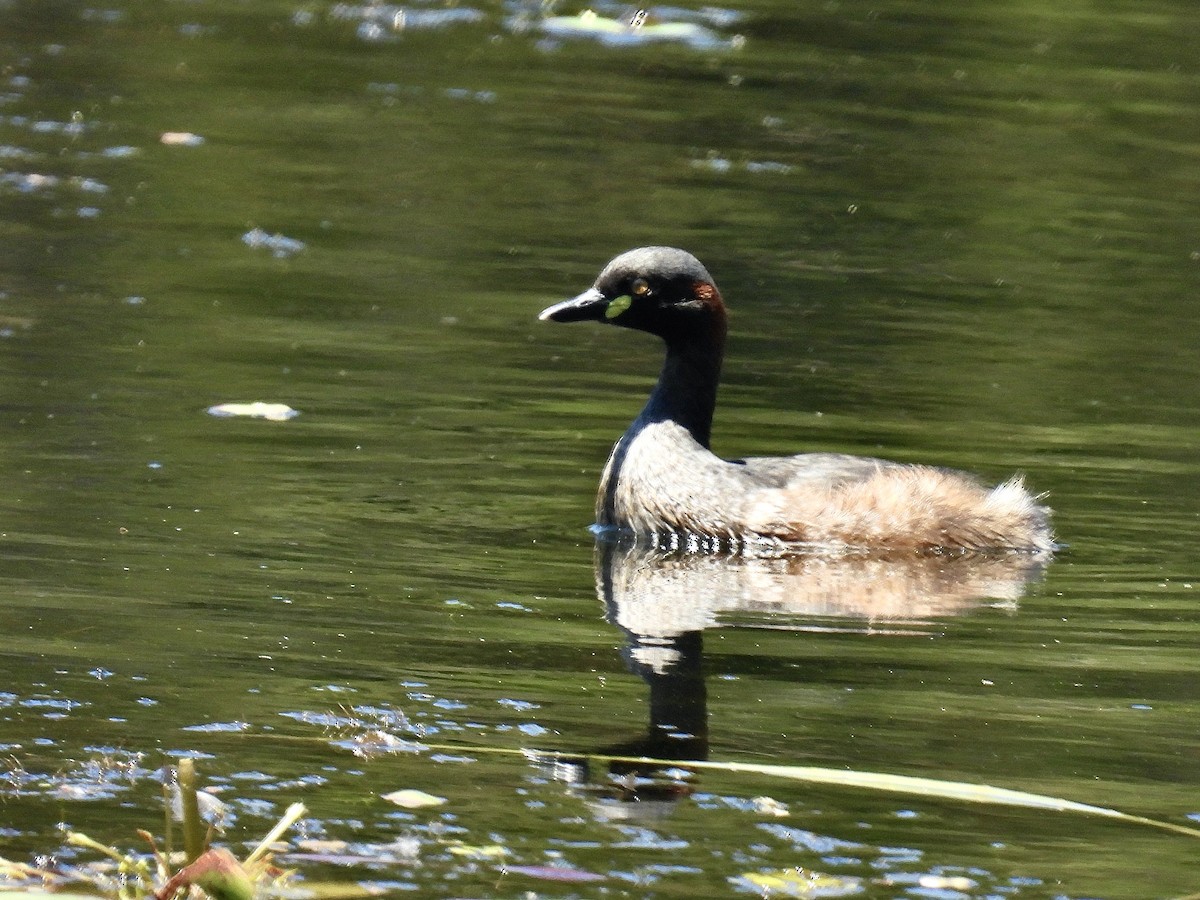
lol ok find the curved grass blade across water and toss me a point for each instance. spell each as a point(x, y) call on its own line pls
point(932, 788)
point(924, 787)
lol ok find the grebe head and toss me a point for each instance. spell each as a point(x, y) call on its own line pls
point(661, 290)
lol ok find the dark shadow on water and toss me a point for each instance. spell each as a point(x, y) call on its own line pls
point(664, 601)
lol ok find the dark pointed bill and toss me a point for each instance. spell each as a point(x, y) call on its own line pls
point(590, 305)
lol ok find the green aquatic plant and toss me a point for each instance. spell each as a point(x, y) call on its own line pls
point(129, 875)
point(215, 872)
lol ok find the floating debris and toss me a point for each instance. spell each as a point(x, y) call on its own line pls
point(377, 741)
point(798, 882)
point(637, 31)
point(769, 806)
point(280, 245)
point(410, 798)
point(219, 727)
point(181, 139)
point(275, 412)
point(381, 22)
point(555, 873)
point(470, 851)
point(384, 21)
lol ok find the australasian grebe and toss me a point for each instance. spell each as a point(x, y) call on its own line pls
point(662, 479)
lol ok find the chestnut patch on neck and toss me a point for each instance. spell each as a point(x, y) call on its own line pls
point(707, 294)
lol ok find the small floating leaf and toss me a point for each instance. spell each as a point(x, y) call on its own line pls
point(555, 873)
point(275, 412)
point(946, 883)
point(181, 139)
point(492, 851)
point(586, 23)
point(314, 845)
point(413, 799)
point(769, 806)
point(623, 32)
point(800, 882)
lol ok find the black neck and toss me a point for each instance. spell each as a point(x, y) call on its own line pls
point(686, 391)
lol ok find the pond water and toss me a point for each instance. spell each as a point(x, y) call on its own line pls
point(957, 234)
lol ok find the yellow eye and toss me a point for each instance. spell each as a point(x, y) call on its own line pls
point(640, 287)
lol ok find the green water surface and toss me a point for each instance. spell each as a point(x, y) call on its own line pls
point(963, 234)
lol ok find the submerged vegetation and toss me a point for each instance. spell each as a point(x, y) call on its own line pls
point(160, 872)
point(634, 789)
